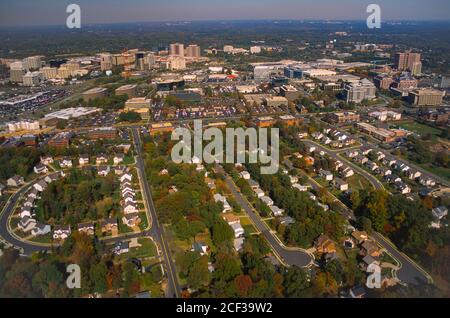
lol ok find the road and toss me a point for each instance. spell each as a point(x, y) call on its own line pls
point(156, 230)
point(289, 256)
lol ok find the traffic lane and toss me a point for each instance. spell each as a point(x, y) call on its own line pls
point(291, 257)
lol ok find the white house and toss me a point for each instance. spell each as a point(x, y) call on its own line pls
point(66, 163)
point(61, 232)
point(46, 160)
point(101, 159)
point(414, 174)
point(25, 212)
point(238, 230)
point(26, 224)
point(40, 229)
point(15, 181)
point(126, 177)
point(300, 187)
point(347, 172)
point(129, 208)
point(200, 247)
point(40, 185)
point(268, 201)
point(310, 149)
point(40, 168)
point(293, 179)
point(118, 159)
point(276, 211)
point(259, 193)
point(83, 160)
point(327, 175)
point(103, 171)
point(220, 198)
point(340, 184)
point(245, 175)
point(2, 188)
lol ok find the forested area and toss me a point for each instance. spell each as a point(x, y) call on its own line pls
point(17, 160)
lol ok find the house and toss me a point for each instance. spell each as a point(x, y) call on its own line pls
point(302, 135)
point(365, 151)
point(317, 135)
point(327, 175)
point(338, 165)
point(346, 172)
point(372, 166)
point(238, 230)
point(103, 171)
point(276, 211)
point(120, 170)
point(238, 244)
point(360, 236)
point(61, 232)
point(200, 167)
point(101, 159)
point(369, 260)
point(267, 200)
point(109, 225)
point(40, 168)
point(15, 181)
point(380, 155)
point(66, 163)
point(121, 247)
point(311, 196)
point(357, 292)
point(2, 188)
point(25, 211)
point(413, 174)
point(427, 182)
point(200, 247)
point(40, 185)
point(253, 184)
point(83, 160)
point(245, 175)
point(361, 159)
point(163, 172)
point(130, 207)
point(118, 158)
point(86, 228)
point(438, 214)
point(403, 188)
point(127, 191)
point(323, 206)
point(41, 229)
point(300, 187)
point(33, 193)
point(26, 224)
point(385, 172)
point(324, 245)
point(126, 177)
point(231, 218)
point(370, 248)
point(220, 198)
point(340, 184)
point(311, 149)
point(51, 178)
point(259, 193)
point(293, 179)
point(46, 160)
point(352, 154)
point(286, 220)
point(402, 167)
point(131, 219)
point(128, 197)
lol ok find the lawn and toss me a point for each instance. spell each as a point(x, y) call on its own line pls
point(420, 129)
point(148, 249)
point(358, 182)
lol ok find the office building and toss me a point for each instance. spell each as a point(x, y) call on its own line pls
point(408, 61)
point(176, 63)
point(140, 62)
point(49, 72)
point(33, 63)
point(17, 72)
point(130, 90)
point(426, 97)
point(362, 90)
point(33, 78)
point(193, 51)
point(140, 105)
point(94, 93)
point(177, 49)
point(383, 81)
point(255, 49)
point(343, 117)
point(405, 81)
point(103, 133)
point(150, 60)
point(23, 125)
point(106, 62)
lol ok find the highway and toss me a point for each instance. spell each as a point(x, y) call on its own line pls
point(289, 256)
point(156, 230)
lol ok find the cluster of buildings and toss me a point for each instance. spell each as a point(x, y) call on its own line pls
point(332, 138)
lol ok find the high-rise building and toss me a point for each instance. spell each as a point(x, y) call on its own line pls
point(150, 60)
point(177, 49)
point(106, 62)
point(17, 72)
point(383, 81)
point(33, 78)
point(49, 72)
point(228, 48)
point(408, 61)
point(139, 62)
point(357, 92)
point(33, 63)
point(426, 97)
point(176, 63)
point(193, 50)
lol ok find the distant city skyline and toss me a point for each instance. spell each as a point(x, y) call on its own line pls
point(50, 12)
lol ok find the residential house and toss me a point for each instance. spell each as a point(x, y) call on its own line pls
point(276, 211)
point(130, 207)
point(352, 153)
point(29, 202)
point(238, 243)
point(245, 175)
point(200, 247)
point(26, 224)
point(118, 158)
point(237, 229)
point(40, 168)
point(311, 149)
point(311, 196)
point(372, 166)
point(293, 179)
point(369, 260)
point(131, 220)
point(340, 184)
point(253, 184)
point(324, 245)
point(15, 181)
point(33, 193)
point(360, 236)
point(361, 159)
point(120, 170)
point(267, 200)
point(323, 206)
point(259, 193)
point(2, 188)
point(41, 229)
point(380, 155)
point(286, 220)
point(126, 177)
point(438, 214)
point(86, 228)
point(40, 185)
point(220, 198)
point(231, 218)
point(83, 160)
point(121, 247)
point(25, 211)
point(370, 248)
point(46, 160)
point(346, 172)
point(51, 178)
point(414, 174)
point(427, 182)
point(66, 163)
point(103, 170)
point(101, 159)
point(61, 232)
point(300, 187)
point(109, 225)
point(327, 175)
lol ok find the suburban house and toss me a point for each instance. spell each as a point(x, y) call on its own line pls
point(15, 181)
point(103, 171)
point(259, 193)
point(293, 179)
point(41, 229)
point(231, 218)
point(51, 178)
point(346, 172)
point(46, 160)
point(324, 245)
point(340, 184)
point(109, 225)
point(220, 198)
point(323, 206)
point(380, 155)
point(66, 163)
point(267, 200)
point(414, 174)
point(370, 248)
point(238, 243)
point(131, 219)
point(120, 170)
point(300, 187)
point(26, 224)
point(253, 184)
point(438, 214)
point(121, 247)
point(327, 175)
point(245, 175)
point(427, 182)
point(61, 232)
point(40, 185)
point(372, 166)
point(118, 159)
point(33, 193)
point(101, 159)
point(238, 230)
point(126, 177)
point(287, 220)
point(2, 188)
point(83, 160)
point(40, 168)
point(310, 149)
point(86, 228)
point(360, 236)
point(200, 247)
point(29, 202)
point(25, 211)
point(130, 207)
point(276, 211)
point(369, 260)
point(352, 154)
point(361, 159)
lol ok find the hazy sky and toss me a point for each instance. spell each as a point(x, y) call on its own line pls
point(50, 12)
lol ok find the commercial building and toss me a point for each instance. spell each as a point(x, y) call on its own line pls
point(23, 125)
point(130, 90)
point(94, 93)
point(177, 49)
point(381, 134)
point(49, 72)
point(193, 51)
point(61, 140)
point(140, 105)
point(33, 78)
point(343, 117)
point(426, 97)
point(33, 63)
point(158, 128)
point(408, 61)
point(103, 133)
point(175, 63)
point(264, 121)
point(405, 81)
point(17, 72)
point(383, 81)
point(255, 49)
point(357, 92)
point(290, 120)
point(73, 112)
point(106, 62)
point(289, 92)
point(275, 101)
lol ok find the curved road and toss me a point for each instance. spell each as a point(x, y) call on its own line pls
point(289, 256)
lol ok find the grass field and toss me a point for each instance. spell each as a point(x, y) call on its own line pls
point(420, 129)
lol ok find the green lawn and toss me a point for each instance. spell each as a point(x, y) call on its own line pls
point(420, 129)
point(148, 249)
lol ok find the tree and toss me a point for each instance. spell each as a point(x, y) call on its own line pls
point(131, 117)
point(243, 285)
point(296, 281)
point(221, 232)
point(98, 274)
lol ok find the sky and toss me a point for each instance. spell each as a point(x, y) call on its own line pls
point(53, 12)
